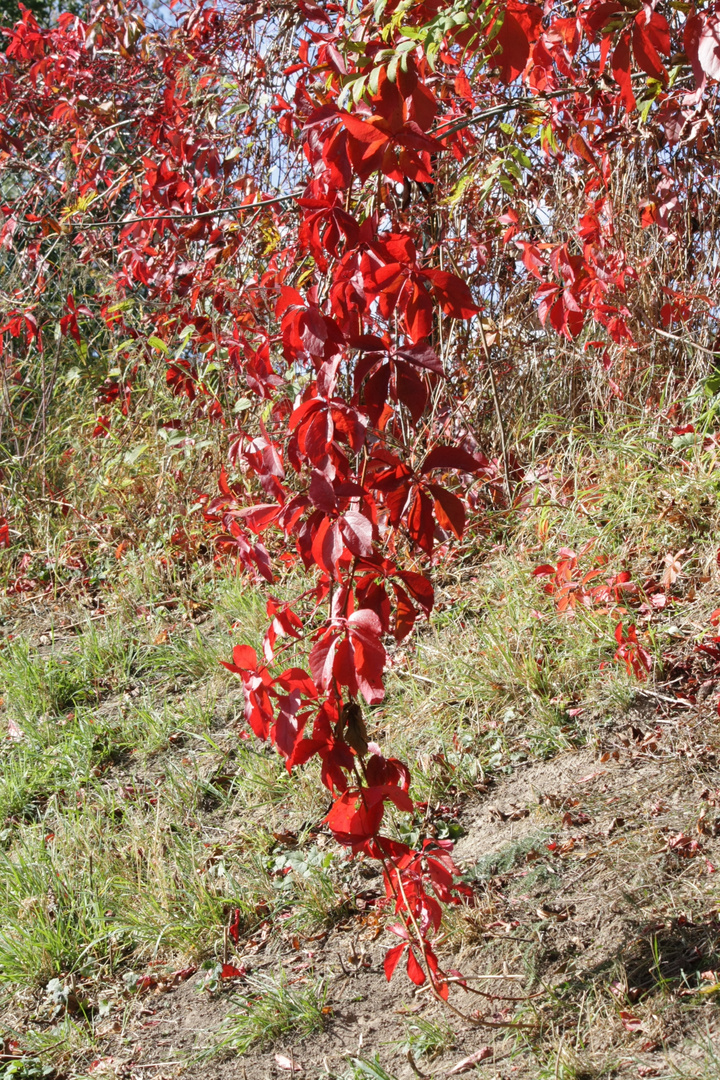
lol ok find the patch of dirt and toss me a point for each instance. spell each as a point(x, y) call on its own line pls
point(366, 1017)
point(595, 880)
point(595, 926)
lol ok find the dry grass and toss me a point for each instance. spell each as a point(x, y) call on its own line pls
point(134, 817)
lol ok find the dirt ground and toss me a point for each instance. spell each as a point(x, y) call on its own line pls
point(596, 917)
point(592, 948)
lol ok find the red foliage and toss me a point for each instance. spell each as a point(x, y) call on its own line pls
point(360, 465)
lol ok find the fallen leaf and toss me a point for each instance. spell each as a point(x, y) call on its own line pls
point(545, 911)
point(229, 971)
point(496, 814)
point(467, 1063)
point(176, 977)
point(630, 1022)
point(673, 566)
point(14, 732)
point(571, 820)
point(104, 1066)
point(684, 845)
point(287, 1063)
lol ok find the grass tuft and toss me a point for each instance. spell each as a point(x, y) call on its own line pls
point(270, 1009)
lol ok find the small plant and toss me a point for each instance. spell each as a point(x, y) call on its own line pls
point(428, 1039)
point(25, 1068)
point(364, 1069)
point(270, 1008)
point(42, 686)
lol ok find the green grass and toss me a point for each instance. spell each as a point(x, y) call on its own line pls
point(135, 816)
point(270, 1009)
point(428, 1038)
point(364, 1069)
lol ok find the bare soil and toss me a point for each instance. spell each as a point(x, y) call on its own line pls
point(597, 905)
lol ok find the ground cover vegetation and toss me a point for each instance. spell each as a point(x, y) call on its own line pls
point(359, 530)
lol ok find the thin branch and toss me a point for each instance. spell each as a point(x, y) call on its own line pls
point(690, 344)
point(498, 413)
point(192, 215)
point(510, 106)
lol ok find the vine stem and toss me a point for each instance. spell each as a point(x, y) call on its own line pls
point(498, 413)
point(432, 980)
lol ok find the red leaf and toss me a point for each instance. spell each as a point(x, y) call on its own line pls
point(449, 510)
point(451, 457)
point(405, 614)
point(630, 1022)
point(297, 679)
point(391, 959)
point(244, 659)
point(382, 792)
point(514, 48)
point(692, 35)
point(420, 522)
point(651, 35)
point(357, 531)
point(322, 656)
point(419, 588)
point(453, 294)
point(328, 547)
point(321, 492)
point(708, 51)
point(259, 517)
point(229, 971)
point(423, 356)
point(365, 631)
point(415, 972)
point(621, 70)
point(352, 822)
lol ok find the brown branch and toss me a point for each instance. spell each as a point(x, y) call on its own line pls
point(689, 344)
point(192, 215)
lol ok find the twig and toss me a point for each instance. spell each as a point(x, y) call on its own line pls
point(498, 412)
point(420, 678)
point(413, 1065)
point(516, 103)
point(431, 977)
point(509, 106)
point(192, 215)
point(462, 981)
point(666, 697)
point(156, 1064)
point(345, 971)
point(690, 344)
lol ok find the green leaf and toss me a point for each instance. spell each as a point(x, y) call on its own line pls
point(128, 343)
point(132, 455)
